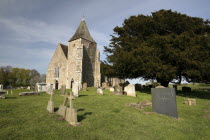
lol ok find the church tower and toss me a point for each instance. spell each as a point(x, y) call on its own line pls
point(83, 58)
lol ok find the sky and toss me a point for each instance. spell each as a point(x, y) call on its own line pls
point(30, 30)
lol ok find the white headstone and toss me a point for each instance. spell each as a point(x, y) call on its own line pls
point(1, 87)
point(100, 91)
point(75, 89)
point(111, 89)
point(49, 89)
point(130, 89)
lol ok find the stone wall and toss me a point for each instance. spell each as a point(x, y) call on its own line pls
point(58, 60)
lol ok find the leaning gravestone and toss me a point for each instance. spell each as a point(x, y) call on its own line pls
point(164, 101)
point(50, 106)
point(63, 89)
point(63, 107)
point(84, 87)
point(130, 90)
point(75, 89)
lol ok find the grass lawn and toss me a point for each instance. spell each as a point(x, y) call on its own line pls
point(103, 117)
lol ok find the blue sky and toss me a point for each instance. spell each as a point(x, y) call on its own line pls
point(31, 29)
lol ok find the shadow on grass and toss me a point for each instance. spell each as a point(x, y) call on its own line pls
point(56, 109)
point(11, 98)
point(82, 95)
point(193, 94)
point(82, 117)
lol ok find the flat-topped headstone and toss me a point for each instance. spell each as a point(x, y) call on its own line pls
point(49, 89)
point(84, 87)
point(130, 90)
point(75, 89)
point(118, 89)
point(1, 87)
point(164, 101)
point(2, 94)
point(63, 89)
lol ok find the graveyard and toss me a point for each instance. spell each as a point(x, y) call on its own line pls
point(103, 117)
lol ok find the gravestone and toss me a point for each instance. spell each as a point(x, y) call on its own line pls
point(118, 89)
point(2, 94)
point(100, 91)
point(71, 112)
point(159, 86)
point(186, 89)
point(175, 86)
point(75, 89)
point(164, 101)
point(84, 87)
point(1, 87)
point(137, 87)
point(130, 90)
point(63, 107)
point(63, 89)
point(190, 102)
point(111, 89)
point(36, 88)
point(50, 106)
point(105, 85)
point(49, 89)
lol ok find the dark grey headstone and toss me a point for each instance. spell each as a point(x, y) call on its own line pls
point(164, 101)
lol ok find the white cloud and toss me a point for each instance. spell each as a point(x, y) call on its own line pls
point(33, 31)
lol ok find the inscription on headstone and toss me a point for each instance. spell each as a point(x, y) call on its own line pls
point(164, 101)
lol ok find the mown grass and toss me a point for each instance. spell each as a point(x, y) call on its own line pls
point(102, 117)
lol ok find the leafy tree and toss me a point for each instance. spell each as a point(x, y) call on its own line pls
point(165, 46)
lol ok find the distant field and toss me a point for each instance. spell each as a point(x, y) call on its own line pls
point(103, 118)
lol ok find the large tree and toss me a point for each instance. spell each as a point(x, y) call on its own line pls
point(165, 46)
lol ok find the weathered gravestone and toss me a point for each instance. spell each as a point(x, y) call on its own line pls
point(186, 89)
point(71, 112)
point(49, 89)
point(2, 94)
point(63, 107)
point(1, 87)
point(137, 87)
point(190, 102)
point(50, 106)
point(100, 91)
point(175, 86)
point(63, 89)
point(118, 89)
point(84, 87)
point(111, 89)
point(75, 89)
point(164, 101)
point(130, 90)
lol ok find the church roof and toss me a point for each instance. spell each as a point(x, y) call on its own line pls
point(65, 49)
point(82, 32)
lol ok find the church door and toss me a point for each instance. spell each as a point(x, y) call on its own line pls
point(56, 84)
point(72, 82)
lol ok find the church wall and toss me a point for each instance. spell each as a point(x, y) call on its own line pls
point(75, 57)
point(89, 54)
point(58, 60)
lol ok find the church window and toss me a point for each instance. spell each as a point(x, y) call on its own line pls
point(56, 74)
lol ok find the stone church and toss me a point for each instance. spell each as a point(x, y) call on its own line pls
point(79, 61)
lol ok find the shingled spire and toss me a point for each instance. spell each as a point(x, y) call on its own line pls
point(82, 32)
